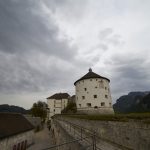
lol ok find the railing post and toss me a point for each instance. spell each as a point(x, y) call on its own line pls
point(81, 133)
point(94, 141)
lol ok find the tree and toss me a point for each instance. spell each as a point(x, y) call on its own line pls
point(70, 108)
point(39, 110)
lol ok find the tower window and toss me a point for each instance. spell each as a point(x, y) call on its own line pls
point(101, 84)
point(85, 89)
point(88, 104)
point(90, 79)
point(83, 97)
point(54, 110)
point(95, 96)
point(109, 104)
point(79, 105)
point(106, 96)
point(105, 88)
point(102, 104)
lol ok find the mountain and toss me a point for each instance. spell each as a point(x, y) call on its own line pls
point(133, 102)
point(13, 109)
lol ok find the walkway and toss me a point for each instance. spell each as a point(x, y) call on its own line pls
point(42, 140)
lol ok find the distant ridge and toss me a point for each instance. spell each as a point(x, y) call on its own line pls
point(133, 102)
point(13, 109)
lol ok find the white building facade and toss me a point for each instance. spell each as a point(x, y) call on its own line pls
point(93, 94)
point(57, 102)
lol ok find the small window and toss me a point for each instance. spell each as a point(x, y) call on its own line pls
point(22, 145)
point(96, 79)
point(54, 110)
point(83, 97)
point(88, 104)
point(14, 147)
point(85, 89)
point(96, 107)
point(95, 96)
point(25, 145)
point(106, 96)
point(109, 104)
point(105, 88)
point(18, 146)
point(102, 104)
point(96, 87)
point(90, 79)
point(101, 84)
point(79, 105)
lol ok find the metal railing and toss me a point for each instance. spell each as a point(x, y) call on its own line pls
point(81, 135)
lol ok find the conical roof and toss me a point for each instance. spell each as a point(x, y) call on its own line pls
point(90, 75)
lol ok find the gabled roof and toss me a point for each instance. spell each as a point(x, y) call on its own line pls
point(90, 75)
point(12, 124)
point(59, 96)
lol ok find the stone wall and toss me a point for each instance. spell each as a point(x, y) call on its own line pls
point(8, 143)
point(113, 135)
point(61, 136)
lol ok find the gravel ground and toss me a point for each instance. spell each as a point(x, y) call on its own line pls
point(42, 140)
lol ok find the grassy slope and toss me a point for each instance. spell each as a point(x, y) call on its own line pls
point(145, 117)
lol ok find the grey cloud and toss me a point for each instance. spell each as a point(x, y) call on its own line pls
point(108, 36)
point(25, 27)
point(31, 55)
point(129, 75)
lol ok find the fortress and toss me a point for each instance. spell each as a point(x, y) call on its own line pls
point(93, 94)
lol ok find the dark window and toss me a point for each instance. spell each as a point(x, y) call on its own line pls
point(101, 84)
point(18, 146)
point(106, 96)
point(95, 107)
point(85, 89)
point(83, 97)
point(88, 104)
point(25, 145)
point(96, 79)
point(22, 145)
point(95, 96)
point(102, 104)
point(109, 104)
point(79, 105)
point(96, 87)
point(90, 79)
point(54, 110)
point(105, 88)
point(14, 147)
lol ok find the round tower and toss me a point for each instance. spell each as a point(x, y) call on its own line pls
point(93, 94)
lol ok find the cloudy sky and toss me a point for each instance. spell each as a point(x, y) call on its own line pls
point(46, 45)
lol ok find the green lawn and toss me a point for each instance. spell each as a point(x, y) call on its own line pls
point(145, 117)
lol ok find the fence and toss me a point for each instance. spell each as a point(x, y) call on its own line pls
point(81, 135)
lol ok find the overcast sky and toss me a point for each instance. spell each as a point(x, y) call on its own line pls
point(46, 45)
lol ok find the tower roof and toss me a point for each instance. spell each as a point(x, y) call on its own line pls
point(90, 75)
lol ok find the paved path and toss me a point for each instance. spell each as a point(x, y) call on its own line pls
point(42, 140)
